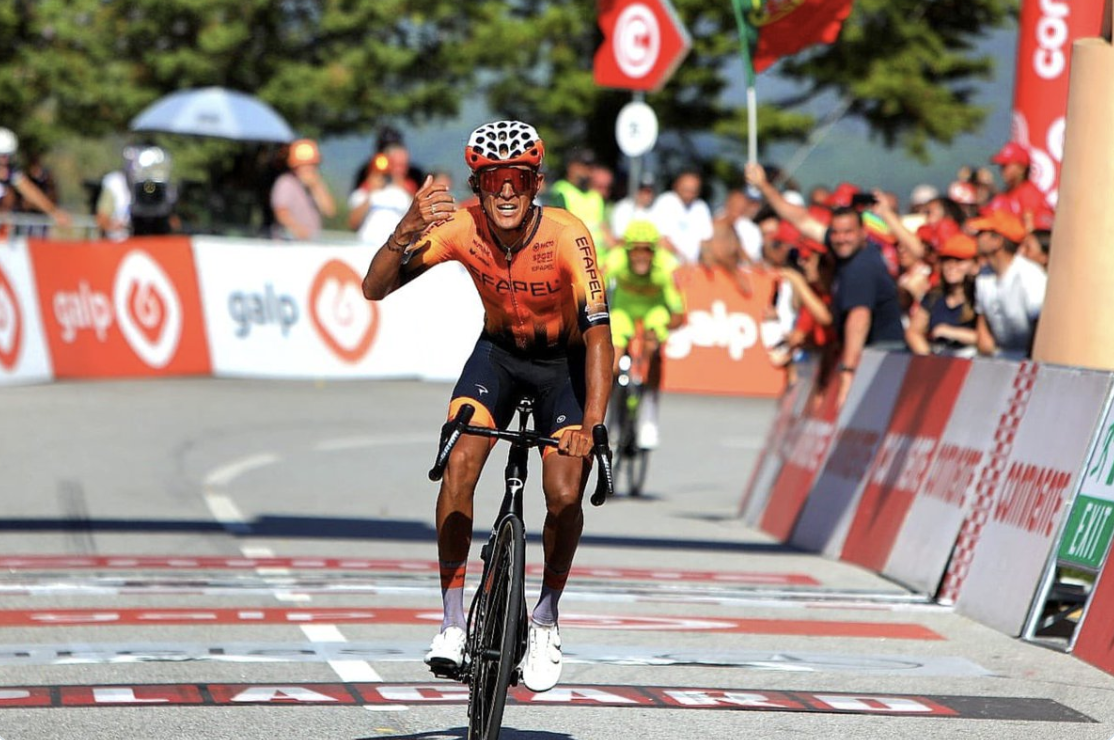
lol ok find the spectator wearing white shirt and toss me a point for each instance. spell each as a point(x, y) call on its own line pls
point(636, 206)
point(750, 236)
point(379, 203)
point(1009, 290)
point(684, 218)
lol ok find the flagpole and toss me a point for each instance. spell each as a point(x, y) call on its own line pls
point(747, 36)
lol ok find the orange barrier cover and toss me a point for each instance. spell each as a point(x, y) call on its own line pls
point(719, 350)
point(117, 309)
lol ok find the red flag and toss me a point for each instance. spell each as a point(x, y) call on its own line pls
point(787, 26)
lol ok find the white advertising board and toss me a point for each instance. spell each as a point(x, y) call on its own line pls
point(921, 551)
point(827, 515)
point(299, 312)
point(1031, 494)
point(23, 354)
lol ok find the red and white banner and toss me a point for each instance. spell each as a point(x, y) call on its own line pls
point(900, 468)
point(1040, 446)
point(300, 312)
point(920, 552)
point(779, 443)
point(719, 349)
point(1047, 29)
point(806, 448)
point(23, 355)
point(826, 516)
point(121, 309)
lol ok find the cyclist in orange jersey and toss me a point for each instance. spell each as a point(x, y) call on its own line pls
point(546, 334)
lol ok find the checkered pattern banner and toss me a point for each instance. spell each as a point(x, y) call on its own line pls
point(987, 487)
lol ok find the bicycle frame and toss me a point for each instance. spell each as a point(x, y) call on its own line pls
point(496, 636)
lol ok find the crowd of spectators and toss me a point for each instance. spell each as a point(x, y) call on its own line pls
point(959, 271)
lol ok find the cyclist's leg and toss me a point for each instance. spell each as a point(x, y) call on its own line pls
point(622, 329)
point(484, 384)
point(656, 325)
point(561, 407)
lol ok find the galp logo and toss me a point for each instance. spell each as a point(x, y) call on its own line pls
point(11, 325)
point(148, 310)
point(340, 313)
point(716, 328)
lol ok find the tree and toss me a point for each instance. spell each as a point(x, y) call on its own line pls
point(86, 67)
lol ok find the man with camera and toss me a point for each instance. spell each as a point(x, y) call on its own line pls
point(139, 199)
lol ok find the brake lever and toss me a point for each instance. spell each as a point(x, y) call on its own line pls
point(450, 433)
point(605, 484)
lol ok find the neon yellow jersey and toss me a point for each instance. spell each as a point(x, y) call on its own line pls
point(637, 294)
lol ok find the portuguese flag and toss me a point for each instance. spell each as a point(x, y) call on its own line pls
point(773, 29)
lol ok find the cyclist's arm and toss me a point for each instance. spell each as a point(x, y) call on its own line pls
point(588, 290)
point(600, 357)
point(390, 266)
point(674, 301)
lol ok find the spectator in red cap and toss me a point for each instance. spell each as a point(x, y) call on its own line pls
point(1009, 290)
point(1022, 197)
point(796, 325)
point(944, 320)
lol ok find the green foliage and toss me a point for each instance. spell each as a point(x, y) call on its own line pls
point(85, 68)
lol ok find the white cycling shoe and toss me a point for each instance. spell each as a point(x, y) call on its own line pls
point(541, 667)
point(447, 649)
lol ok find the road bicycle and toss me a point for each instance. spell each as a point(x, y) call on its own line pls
point(497, 624)
point(631, 459)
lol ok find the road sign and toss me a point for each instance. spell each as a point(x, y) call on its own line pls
point(1090, 523)
point(644, 42)
point(636, 129)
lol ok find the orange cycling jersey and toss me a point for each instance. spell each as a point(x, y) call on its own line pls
point(537, 300)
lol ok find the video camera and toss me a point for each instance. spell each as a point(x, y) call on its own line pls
point(149, 177)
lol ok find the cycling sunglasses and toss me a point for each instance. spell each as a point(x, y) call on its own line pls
point(523, 181)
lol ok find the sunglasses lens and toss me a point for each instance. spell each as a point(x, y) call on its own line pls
point(521, 181)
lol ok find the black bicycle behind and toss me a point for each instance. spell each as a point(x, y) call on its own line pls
point(497, 624)
point(631, 459)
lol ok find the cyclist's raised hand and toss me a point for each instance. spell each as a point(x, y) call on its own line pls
point(575, 442)
point(432, 204)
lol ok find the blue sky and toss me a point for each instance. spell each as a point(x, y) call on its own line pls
point(846, 153)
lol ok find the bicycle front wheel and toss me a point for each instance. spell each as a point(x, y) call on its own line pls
point(497, 628)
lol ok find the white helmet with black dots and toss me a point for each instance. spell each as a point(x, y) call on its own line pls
point(504, 143)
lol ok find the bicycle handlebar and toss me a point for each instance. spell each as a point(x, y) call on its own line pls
point(452, 431)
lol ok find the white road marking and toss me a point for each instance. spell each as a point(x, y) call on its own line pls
point(349, 670)
point(225, 474)
point(226, 512)
point(256, 552)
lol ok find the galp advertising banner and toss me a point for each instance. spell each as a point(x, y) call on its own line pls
point(23, 356)
point(719, 349)
point(284, 311)
point(120, 309)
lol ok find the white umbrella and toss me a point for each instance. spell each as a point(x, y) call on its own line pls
point(216, 112)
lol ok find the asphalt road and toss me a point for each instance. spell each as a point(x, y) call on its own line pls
point(245, 559)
